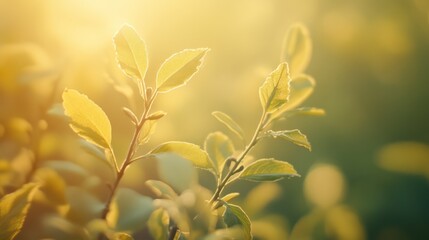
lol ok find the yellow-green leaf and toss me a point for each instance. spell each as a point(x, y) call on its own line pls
point(229, 123)
point(309, 111)
point(13, 210)
point(297, 48)
point(294, 136)
point(301, 87)
point(131, 53)
point(234, 215)
point(187, 151)
point(268, 169)
point(121, 236)
point(274, 92)
point(179, 68)
point(161, 189)
point(87, 119)
point(147, 131)
point(219, 147)
point(158, 224)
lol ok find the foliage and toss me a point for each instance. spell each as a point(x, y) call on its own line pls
point(177, 207)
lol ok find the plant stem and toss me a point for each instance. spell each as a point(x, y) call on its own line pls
point(130, 153)
point(232, 171)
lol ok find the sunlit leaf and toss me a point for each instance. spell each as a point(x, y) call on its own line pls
point(301, 87)
point(175, 212)
point(87, 119)
point(179, 68)
point(308, 111)
point(229, 123)
point(158, 224)
point(274, 92)
point(147, 131)
point(230, 196)
point(131, 53)
point(294, 136)
point(297, 48)
point(219, 147)
point(268, 170)
point(13, 210)
point(161, 189)
point(177, 172)
point(234, 215)
point(187, 151)
point(133, 210)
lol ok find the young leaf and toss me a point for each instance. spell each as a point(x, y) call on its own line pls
point(229, 123)
point(187, 151)
point(161, 189)
point(274, 92)
point(147, 131)
point(131, 53)
point(234, 215)
point(297, 48)
point(308, 111)
point(13, 210)
point(219, 147)
point(301, 87)
point(268, 169)
point(157, 224)
point(294, 136)
point(179, 68)
point(87, 119)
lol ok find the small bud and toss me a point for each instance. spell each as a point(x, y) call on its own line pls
point(156, 115)
point(149, 92)
point(131, 115)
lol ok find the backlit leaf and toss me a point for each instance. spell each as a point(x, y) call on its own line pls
point(187, 151)
point(274, 92)
point(297, 48)
point(234, 215)
point(308, 111)
point(121, 236)
point(294, 136)
point(87, 119)
point(268, 170)
point(229, 123)
point(131, 53)
point(13, 210)
point(301, 87)
point(219, 147)
point(179, 68)
point(161, 189)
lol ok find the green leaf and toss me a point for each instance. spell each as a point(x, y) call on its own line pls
point(13, 210)
point(187, 151)
point(132, 210)
point(309, 111)
point(179, 68)
point(274, 92)
point(177, 172)
point(268, 169)
point(147, 131)
point(234, 215)
point(131, 53)
point(297, 48)
point(219, 147)
point(157, 224)
point(301, 87)
point(294, 136)
point(87, 119)
point(84, 206)
point(229, 123)
point(161, 189)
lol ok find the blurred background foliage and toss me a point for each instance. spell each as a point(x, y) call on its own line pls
point(366, 177)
